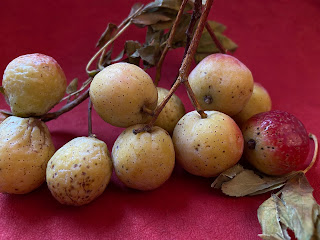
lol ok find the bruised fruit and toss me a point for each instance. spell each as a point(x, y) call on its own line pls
point(276, 142)
point(145, 160)
point(171, 113)
point(33, 84)
point(207, 146)
point(25, 149)
point(79, 171)
point(121, 92)
point(259, 101)
point(221, 82)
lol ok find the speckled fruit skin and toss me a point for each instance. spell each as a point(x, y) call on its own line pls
point(259, 102)
point(33, 84)
point(206, 147)
point(171, 113)
point(120, 91)
point(79, 171)
point(143, 161)
point(25, 149)
point(276, 142)
point(221, 83)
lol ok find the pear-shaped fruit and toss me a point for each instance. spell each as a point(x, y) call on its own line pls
point(143, 161)
point(207, 146)
point(79, 171)
point(171, 113)
point(221, 83)
point(25, 149)
point(259, 101)
point(121, 92)
point(33, 84)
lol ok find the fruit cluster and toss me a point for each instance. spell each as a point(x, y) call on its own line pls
point(237, 122)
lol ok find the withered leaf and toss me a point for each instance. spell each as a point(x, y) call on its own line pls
point(206, 44)
point(106, 35)
point(147, 19)
point(239, 182)
point(130, 49)
point(171, 4)
point(227, 175)
point(268, 216)
point(2, 90)
point(150, 55)
point(135, 8)
point(302, 209)
point(216, 26)
point(73, 86)
point(296, 209)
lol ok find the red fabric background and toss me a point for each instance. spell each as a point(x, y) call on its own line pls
point(278, 41)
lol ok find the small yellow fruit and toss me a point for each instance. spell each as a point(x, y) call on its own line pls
point(207, 146)
point(259, 101)
point(143, 161)
point(120, 92)
point(33, 84)
point(25, 149)
point(221, 83)
point(171, 113)
point(79, 171)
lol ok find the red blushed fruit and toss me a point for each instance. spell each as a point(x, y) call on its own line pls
point(276, 142)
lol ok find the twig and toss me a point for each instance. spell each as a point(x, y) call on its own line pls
point(315, 153)
point(183, 73)
point(196, 14)
point(169, 42)
point(122, 27)
point(215, 39)
point(66, 108)
point(84, 85)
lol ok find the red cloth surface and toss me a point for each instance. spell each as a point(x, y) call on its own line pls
point(278, 41)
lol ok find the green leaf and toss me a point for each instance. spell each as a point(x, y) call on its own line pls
point(106, 35)
point(73, 86)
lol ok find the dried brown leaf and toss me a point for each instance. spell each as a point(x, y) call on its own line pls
point(106, 35)
point(2, 90)
point(239, 182)
point(73, 86)
point(227, 175)
point(130, 49)
point(296, 209)
point(147, 19)
point(216, 26)
point(171, 4)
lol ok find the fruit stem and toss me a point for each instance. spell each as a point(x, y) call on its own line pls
point(183, 73)
point(215, 39)
point(169, 42)
point(66, 108)
point(94, 72)
point(90, 118)
point(84, 85)
point(315, 153)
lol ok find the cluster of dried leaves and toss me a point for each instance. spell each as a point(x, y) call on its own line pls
point(158, 17)
point(293, 207)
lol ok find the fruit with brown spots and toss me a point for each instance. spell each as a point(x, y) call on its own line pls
point(25, 149)
point(207, 146)
point(121, 92)
point(259, 101)
point(143, 161)
point(171, 113)
point(276, 142)
point(221, 83)
point(79, 171)
point(33, 84)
